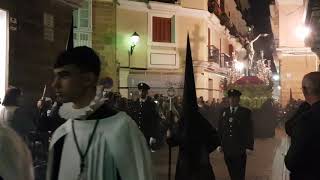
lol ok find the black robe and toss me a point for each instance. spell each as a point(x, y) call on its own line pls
point(195, 142)
point(303, 158)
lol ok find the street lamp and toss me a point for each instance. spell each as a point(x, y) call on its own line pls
point(135, 38)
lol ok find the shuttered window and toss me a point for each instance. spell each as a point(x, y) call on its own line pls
point(231, 49)
point(161, 29)
point(82, 19)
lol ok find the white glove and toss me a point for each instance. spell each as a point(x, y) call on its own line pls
point(168, 133)
point(152, 141)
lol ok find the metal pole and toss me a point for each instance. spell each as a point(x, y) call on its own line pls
point(170, 121)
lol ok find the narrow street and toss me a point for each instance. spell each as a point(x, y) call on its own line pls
point(265, 163)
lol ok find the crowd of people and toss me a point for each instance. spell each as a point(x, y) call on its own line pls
point(89, 132)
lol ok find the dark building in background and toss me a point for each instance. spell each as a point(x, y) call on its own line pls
point(37, 32)
point(313, 21)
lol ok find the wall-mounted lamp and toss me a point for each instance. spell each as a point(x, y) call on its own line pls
point(134, 41)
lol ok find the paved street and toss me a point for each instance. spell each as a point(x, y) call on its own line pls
point(265, 163)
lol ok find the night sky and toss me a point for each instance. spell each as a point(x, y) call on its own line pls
point(260, 19)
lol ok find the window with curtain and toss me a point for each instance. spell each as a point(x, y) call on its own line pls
point(161, 29)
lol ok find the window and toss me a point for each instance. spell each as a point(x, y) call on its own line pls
point(162, 29)
point(82, 16)
point(231, 49)
point(209, 37)
point(82, 19)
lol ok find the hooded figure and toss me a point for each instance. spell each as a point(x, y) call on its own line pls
point(194, 135)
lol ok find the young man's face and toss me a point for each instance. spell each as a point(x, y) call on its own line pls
point(143, 93)
point(69, 83)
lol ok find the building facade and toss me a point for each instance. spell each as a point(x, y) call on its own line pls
point(32, 34)
point(159, 58)
point(293, 58)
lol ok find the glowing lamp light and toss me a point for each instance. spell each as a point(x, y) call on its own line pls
point(276, 77)
point(239, 65)
point(279, 87)
point(302, 32)
point(135, 38)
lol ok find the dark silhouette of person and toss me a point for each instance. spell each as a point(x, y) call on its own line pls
point(303, 158)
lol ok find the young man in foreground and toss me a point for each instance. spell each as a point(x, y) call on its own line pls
point(95, 142)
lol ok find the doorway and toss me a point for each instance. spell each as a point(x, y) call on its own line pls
point(4, 49)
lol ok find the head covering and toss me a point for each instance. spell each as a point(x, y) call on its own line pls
point(143, 86)
point(189, 92)
point(234, 93)
point(83, 57)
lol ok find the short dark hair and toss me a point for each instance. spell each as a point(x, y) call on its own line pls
point(85, 58)
point(311, 83)
point(11, 96)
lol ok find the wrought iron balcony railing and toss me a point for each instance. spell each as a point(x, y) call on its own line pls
point(225, 60)
point(213, 54)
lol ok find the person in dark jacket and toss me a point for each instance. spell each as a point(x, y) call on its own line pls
point(290, 123)
point(236, 133)
point(303, 158)
point(144, 112)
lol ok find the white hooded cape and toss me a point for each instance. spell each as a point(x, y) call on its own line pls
point(118, 146)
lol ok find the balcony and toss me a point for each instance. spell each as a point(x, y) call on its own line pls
point(213, 54)
point(225, 60)
point(222, 59)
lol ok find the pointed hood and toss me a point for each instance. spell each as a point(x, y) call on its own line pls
point(70, 44)
point(189, 93)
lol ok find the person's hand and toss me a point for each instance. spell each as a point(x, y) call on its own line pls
point(249, 151)
point(168, 133)
point(152, 141)
point(41, 103)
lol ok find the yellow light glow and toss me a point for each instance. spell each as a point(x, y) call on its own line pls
point(302, 32)
point(239, 66)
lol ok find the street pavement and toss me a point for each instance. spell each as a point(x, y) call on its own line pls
point(265, 163)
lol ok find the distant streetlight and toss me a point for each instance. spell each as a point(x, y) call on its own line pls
point(276, 77)
point(279, 87)
point(239, 66)
point(302, 32)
